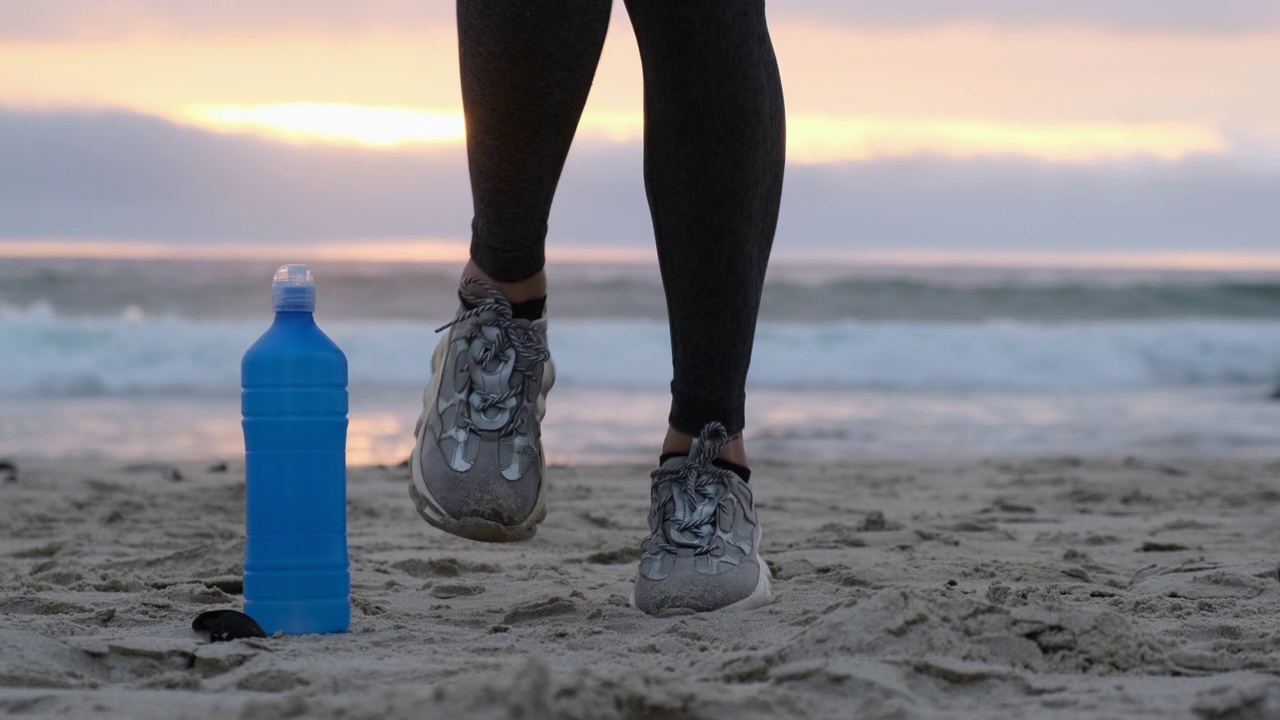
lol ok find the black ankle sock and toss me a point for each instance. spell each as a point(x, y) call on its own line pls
point(527, 310)
point(741, 471)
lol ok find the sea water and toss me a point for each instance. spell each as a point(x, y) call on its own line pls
point(117, 359)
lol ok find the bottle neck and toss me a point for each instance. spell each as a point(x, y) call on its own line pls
point(295, 317)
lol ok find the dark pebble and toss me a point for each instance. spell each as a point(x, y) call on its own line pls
point(223, 625)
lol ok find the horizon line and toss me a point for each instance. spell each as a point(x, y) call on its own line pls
point(440, 251)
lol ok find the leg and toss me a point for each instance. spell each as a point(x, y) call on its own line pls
point(526, 68)
point(714, 150)
point(477, 467)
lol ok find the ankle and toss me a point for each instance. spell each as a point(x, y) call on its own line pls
point(531, 288)
point(680, 443)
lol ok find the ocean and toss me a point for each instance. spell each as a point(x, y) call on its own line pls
point(138, 360)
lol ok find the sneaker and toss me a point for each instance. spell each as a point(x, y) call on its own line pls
point(478, 465)
point(703, 551)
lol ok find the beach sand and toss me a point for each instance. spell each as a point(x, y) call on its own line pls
point(1051, 588)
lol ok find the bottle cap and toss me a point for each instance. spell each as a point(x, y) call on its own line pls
point(294, 289)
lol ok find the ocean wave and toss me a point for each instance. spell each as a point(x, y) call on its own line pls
point(45, 354)
point(353, 291)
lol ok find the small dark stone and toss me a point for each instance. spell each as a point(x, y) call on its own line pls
point(952, 583)
point(225, 625)
point(8, 471)
point(219, 467)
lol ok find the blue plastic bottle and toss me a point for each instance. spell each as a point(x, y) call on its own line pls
point(294, 402)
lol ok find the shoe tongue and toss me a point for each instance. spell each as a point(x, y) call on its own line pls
point(689, 507)
point(492, 378)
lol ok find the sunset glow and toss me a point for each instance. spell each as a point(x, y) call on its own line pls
point(819, 139)
point(378, 126)
point(811, 139)
point(425, 250)
point(950, 91)
point(451, 251)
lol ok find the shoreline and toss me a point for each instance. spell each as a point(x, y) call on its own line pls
point(586, 425)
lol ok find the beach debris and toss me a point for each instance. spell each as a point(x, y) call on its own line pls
point(218, 467)
point(8, 471)
point(223, 625)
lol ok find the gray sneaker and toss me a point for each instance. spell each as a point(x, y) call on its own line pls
point(478, 465)
point(703, 551)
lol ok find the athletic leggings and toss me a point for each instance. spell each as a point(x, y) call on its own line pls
point(714, 145)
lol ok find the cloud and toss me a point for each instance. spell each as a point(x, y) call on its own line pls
point(1015, 205)
point(121, 176)
point(112, 19)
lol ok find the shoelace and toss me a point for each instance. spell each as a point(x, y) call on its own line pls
point(513, 333)
point(694, 478)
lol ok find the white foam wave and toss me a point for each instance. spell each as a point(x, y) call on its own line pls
point(46, 354)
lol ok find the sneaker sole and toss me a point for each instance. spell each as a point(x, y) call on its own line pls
point(469, 527)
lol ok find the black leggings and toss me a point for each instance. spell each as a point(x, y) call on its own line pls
point(714, 145)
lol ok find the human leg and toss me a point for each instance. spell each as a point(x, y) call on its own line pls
point(714, 153)
point(526, 68)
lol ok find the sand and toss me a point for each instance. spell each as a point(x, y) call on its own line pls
point(1051, 588)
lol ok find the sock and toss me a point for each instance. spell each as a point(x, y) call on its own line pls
point(741, 471)
point(530, 309)
point(527, 310)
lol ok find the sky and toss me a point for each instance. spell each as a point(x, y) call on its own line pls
point(1092, 131)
